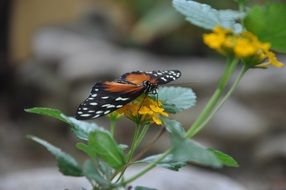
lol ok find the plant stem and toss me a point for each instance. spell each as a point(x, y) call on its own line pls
point(227, 95)
point(137, 138)
point(146, 169)
point(229, 70)
point(134, 143)
point(153, 141)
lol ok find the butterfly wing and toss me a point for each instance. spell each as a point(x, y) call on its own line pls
point(107, 97)
point(155, 77)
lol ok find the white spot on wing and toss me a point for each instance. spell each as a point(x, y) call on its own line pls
point(106, 112)
point(93, 103)
point(108, 106)
point(85, 115)
point(104, 97)
point(122, 99)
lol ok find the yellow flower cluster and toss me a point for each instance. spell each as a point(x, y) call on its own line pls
point(145, 109)
point(244, 45)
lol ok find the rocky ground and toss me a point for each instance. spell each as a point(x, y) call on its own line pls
point(250, 126)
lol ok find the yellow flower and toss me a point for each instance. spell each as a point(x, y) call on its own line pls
point(273, 60)
point(214, 41)
point(245, 46)
point(144, 110)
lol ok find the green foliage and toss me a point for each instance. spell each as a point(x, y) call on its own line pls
point(168, 162)
point(80, 128)
point(55, 113)
point(186, 150)
point(90, 151)
point(176, 99)
point(224, 158)
point(66, 163)
point(205, 16)
point(92, 173)
point(268, 23)
point(102, 143)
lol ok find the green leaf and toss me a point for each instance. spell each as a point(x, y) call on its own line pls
point(106, 148)
point(186, 150)
point(205, 16)
point(93, 174)
point(66, 163)
point(176, 99)
point(80, 128)
point(268, 23)
point(89, 150)
point(174, 127)
point(104, 169)
point(224, 158)
point(143, 188)
point(168, 162)
point(55, 113)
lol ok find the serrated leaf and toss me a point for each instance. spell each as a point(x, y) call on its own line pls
point(186, 150)
point(80, 128)
point(93, 174)
point(174, 127)
point(105, 169)
point(224, 158)
point(106, 148)
point(205, 16)
point(86, 149)
point(268, 23)
point(168, 162)
point(55, 113)
point(143, 188)
point(176, 99)
point(66, 163)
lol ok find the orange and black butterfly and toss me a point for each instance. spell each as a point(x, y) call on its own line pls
point(108, 96)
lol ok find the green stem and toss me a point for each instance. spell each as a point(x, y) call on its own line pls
point(134, 143)
point(229, 70)
point(146, 169)
point(153, 141)
point(227, 95)
point(137, 139)
point(141, 136)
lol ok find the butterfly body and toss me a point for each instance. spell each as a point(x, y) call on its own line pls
point(108, 96)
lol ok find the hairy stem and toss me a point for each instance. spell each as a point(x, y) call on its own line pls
point(229, 70)
point(227, 95)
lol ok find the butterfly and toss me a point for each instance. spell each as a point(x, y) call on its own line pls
point(108, 96)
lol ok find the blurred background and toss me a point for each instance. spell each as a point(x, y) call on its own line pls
point(52, 52)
